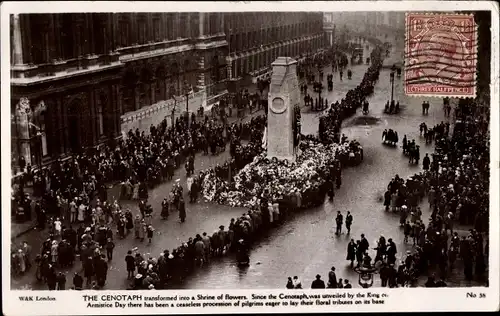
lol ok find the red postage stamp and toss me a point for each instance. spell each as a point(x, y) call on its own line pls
point(440, 55)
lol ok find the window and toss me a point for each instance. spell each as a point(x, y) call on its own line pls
point(213, 23)
point(183, 24)
point(170, 26)
point(99, 34)
point(156, 30)
point(141, 25)
point(100, 117)
point(232, 43)
point(124, 34)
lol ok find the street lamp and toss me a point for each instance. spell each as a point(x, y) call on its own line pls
point(187, 91)
point(320, 89)
point(392, 83)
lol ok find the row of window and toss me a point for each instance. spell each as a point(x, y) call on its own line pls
point(245, 65)
point(244, 41)
point(238, 22)
point(69, 35)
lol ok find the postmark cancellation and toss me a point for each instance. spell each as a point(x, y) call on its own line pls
point(440, 55)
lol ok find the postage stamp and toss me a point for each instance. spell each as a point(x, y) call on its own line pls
point(440, 55)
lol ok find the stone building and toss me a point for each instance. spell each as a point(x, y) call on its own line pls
point(84, 78)
point(256, 39)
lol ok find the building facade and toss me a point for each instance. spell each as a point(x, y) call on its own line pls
point(256, 39)
point(338, 26)
point(79, 79)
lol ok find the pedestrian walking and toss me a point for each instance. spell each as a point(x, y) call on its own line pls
point(348, 222)
point(182, 210)
point(110, 245)
point(332, 279)
point(130, 262)
point(339, 221)
point(351, 252)
point(150, 231)
point(77, 281)
point(61, 281)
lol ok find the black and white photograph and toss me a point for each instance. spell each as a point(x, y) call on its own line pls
point(249, 150)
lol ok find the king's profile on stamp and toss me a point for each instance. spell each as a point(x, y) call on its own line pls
point(441, 54)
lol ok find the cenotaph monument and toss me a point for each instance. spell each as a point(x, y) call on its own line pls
point(284, 95)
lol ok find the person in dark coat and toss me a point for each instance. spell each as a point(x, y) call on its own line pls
point(384, 274)
point(182, 210)
point(426, 162)
point(110, 245)
point(392, 276)
point(130, 261)
point(51, 278)
point(339, 221)
point(359, 253)
point(149, 232)
point(61, 281)
point(364, 245)
point(164, 208)
point(101, 271)
point(88, 270)
point(391, 251)
point(332, 279)
point(348, 222)
point(289, 283)
point(351, 252)
point(318, 283)
point(78, 281)
point(387, 199)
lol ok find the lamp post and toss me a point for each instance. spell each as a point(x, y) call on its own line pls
point(392, 83)
point(186, 92)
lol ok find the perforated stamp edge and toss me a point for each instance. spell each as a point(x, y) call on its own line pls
point(438, 95)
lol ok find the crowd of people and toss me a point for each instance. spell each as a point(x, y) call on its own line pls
point(456, 182)
point(390, 137)
point(71, 196)
point(329, 125)
point(317, 172)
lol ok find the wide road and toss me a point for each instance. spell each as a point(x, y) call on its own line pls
point(306, 244)
point(201, 217)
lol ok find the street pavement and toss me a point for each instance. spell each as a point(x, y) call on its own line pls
point(306, 244)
